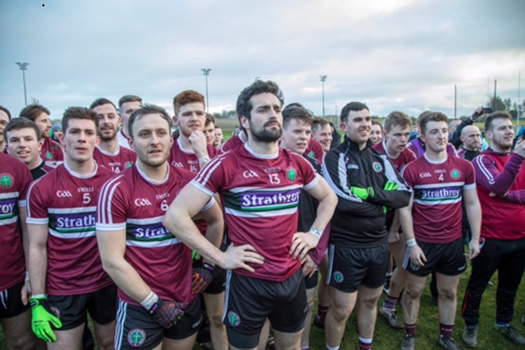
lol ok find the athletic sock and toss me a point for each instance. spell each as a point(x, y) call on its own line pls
point(390, 302)
point(332, 348)
point(502, 324)
point(322, 311)
point(306, 347)
point(445, 330)
point(410, 329)
point(388, 278)
point(365, 343)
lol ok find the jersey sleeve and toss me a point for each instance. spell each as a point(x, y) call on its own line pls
point(25, 181)
point(37, 203)
point(210, 178)
point(408, 175)
point(489, 176)
point(470, 176)
point(111, 212)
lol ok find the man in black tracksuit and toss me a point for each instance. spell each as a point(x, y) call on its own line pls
point(367, 186)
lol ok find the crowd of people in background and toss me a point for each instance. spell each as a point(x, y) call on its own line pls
point(167, 239)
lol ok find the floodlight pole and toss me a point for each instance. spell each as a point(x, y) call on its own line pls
point(323, 78)
point(206, 72)
point(23, 68)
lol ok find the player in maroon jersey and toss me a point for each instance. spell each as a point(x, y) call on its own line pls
point(109, 153)
point(24, 143)
point(151, 267)
point(500, 175)
point(432, 227)
point(259, 185)
point(51, 152)
point(65, 268)
point(190, 150)
point(15, 290)
point(126, 106)
point(209, 129)
point(394, 146)
point(322, 132)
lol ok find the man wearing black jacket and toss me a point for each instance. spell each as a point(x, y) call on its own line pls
point(367, 186)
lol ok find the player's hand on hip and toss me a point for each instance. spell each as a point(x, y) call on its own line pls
point(417, 256)
point(473, 249)
point(198, 143)
point(309, 266)
point(302, 243)
point(43, 319)
point(239, 257)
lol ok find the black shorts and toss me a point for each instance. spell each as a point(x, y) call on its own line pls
point(71, 309)
point(311, 282)
point(445, 258)
point(136, 328)
point(351, 267)
point(11, 301)
point(250, 301)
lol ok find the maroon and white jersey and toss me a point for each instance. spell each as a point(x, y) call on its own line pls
point(401, 161)
point(438, 191)
point(260, 194)
point(234, 142)
point(51, 151)
point(116, 162)
point(15, 179)
point(66, 202)
point(181, 158)
point(136, 203)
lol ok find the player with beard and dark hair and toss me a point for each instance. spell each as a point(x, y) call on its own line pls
point(259, 185)
point(109, 153)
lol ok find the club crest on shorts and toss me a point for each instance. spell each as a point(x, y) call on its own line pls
point(136, 337)
point(338, 277)
point(414, 266)
point(234, 319)
point(377, 167)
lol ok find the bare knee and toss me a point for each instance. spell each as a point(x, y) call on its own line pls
point(447, 293)
point(20, 343)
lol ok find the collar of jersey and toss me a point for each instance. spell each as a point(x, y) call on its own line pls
point(149, 179)
point(81, 176)
point(182, 148)
point(262, 156)
point(433, 161)
point(109, 153)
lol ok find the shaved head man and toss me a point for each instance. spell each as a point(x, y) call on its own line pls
point(471, 139)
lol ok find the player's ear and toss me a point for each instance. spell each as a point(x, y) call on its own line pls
point(97, 141)
point(244, 122)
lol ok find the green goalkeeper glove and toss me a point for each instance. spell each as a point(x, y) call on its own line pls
point(391, 186)
point(363, 193)
point(43, 319)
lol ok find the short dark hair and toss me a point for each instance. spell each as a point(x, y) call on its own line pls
point(496, 115)
point(185, 97)
point(431, 117)
point(296, 112)
point(78, 113)
point(209, 119)
point(128, 98)
point(2, 108)
point(244, 105)
point(397, 118)
point(34, 110)
point(100, 102)
point(145, 110)
point(319, 123)
point(421, 116)
point(22, 123)
point(352, 106)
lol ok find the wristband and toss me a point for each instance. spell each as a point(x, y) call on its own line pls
point(150, 300)
point(316, 232)
point(39, 296)
point(411, 242)
point(27, 276)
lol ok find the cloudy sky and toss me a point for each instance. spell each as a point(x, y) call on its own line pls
point(392, 54)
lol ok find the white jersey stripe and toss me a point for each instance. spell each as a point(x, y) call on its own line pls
point(483, 168)
point(260, 214)
point(207, 167)
point(106, 198)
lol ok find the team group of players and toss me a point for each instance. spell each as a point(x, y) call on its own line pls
point(144, 231)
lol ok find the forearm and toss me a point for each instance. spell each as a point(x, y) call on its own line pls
point(126, 278)
point(405, 218)
point(396, 223)
point(325, 212)
point(185, 229)
point(488, 175)
point(38, 268)
point(474, 219)
point(25, 235)
point(517, 196)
